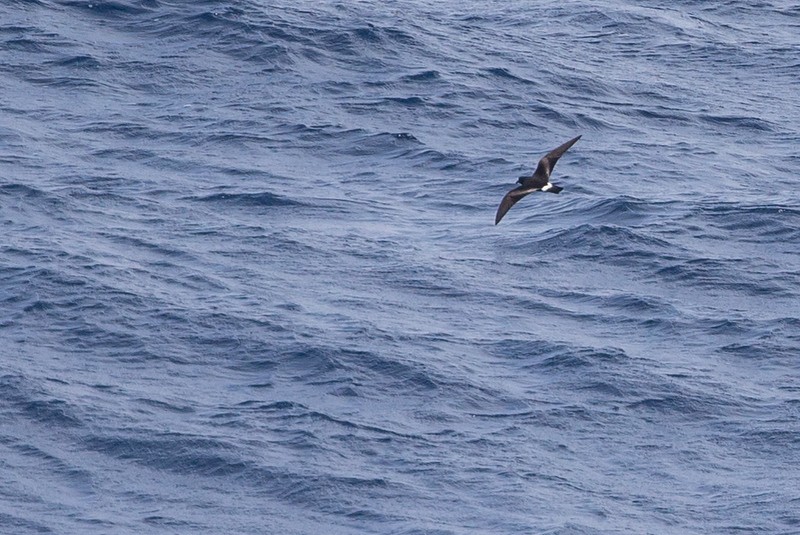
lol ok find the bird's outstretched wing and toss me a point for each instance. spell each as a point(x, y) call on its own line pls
point(547, 163)
point(510, 200)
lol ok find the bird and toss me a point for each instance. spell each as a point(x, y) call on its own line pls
point(538, 181)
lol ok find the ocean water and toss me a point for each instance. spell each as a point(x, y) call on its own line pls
point(250, 281)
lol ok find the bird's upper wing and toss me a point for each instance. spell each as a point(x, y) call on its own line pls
point(547, 163)
point(510, 200)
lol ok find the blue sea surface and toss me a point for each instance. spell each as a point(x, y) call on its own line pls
point(250, 281)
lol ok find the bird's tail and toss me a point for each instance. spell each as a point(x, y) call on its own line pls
point(553, 189)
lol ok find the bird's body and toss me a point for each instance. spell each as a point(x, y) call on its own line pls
point(538, 181)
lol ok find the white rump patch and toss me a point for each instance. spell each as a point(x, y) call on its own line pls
point(547, 187)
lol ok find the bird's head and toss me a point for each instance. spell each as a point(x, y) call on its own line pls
point(521, 179)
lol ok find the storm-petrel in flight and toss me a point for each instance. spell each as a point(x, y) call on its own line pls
point(538, 181)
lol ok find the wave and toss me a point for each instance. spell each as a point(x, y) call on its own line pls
point(106, 8)
point(260, 199)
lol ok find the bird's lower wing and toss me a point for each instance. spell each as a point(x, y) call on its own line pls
point(510, 200)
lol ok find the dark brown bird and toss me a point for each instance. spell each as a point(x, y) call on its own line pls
point(538, 181)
